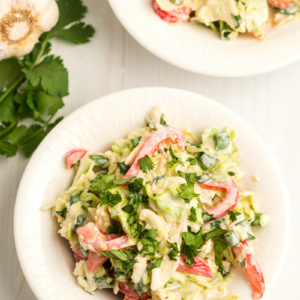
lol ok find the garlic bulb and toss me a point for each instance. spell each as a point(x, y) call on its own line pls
point(22, 22)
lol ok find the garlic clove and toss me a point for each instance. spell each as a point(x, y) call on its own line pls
point(22, 22)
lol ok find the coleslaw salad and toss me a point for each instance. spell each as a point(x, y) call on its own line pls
point(229, 17)
point(161, 215)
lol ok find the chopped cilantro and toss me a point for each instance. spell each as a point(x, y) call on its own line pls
point(174, 253)
point(216, 232)
point(128, 208)
point(219, 248)
point(122, 167)
point(192, 161)
point(136, 185)
point(191, 245)
point(135, 141)
point(115, 227)
point(156, 264)
point(148, 238)
point(232, 215)
point(193, 215)
point(174, 160)
point(102, 183)
point(207, 217)
point(126, 257)
point(187, 191)
point(216, 224)
point(146, 164)
point(110, 199)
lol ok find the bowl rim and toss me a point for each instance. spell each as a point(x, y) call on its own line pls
point(18, 242)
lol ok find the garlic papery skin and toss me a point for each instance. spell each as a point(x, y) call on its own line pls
point(22, 22)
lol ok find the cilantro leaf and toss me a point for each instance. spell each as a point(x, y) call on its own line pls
point(102, 183)
point(51, 74)
point(174, 253)
point(78, 33)
point(8, 149)
point(146, 164)
point(8, 110)
point(219, 248)
point(10, 72)
point(156, 264)
point(193, 215)
point(192, 242)
point(192, 161)
point(46, 103)
point(207, 217)
point(216, 232)
point(174, 160)
point(232, 215)
point(35, 134)
point(124, 255)
point(135, 185)
point(187, 191)
point(148, 238)
point(110, 199)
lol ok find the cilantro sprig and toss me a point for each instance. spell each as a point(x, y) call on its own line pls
point(192, 242)
point(32, 88)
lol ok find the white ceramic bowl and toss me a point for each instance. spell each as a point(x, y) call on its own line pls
point(198, 49)
point(45, 257)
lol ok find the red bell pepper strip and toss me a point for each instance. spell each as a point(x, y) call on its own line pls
point(252, 269)
point(92, 236)
point(130, 294)
point(163, 135)
point(182, 13)
point(280, 3)
point(74, 155)
point(200, 267)
point(229, 201)
point(96, 260)
point(78, 255)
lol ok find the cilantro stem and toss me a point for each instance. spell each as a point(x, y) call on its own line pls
point(18, 81)
point(40, 130)
point(6, 130)
point(44, 44)
point(14, 86)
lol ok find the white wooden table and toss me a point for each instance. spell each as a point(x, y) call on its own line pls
point(114, 61)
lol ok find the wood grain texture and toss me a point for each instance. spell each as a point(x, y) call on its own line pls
point(115, 61)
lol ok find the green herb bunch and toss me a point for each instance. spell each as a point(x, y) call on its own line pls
point(32, 87)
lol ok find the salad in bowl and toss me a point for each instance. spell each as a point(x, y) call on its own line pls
point(161, 215)
point(229, 17)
